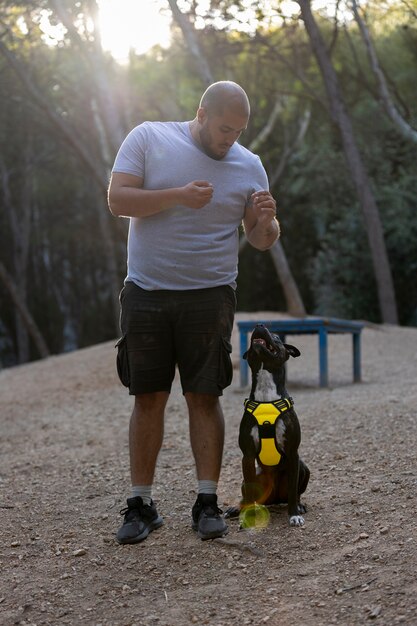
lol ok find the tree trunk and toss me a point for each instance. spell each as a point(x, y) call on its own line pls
point(27, 318)
point(382, 270)
point(19, 210)
point(295, 305)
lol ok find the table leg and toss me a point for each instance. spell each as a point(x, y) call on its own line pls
point(356, 357)
point(283, 338)
point(323, 361)
point(243, 363)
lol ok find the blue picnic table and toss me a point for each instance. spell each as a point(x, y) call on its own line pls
point(306, 326)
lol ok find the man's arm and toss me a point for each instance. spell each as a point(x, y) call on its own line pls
point(261, 226)
point(127, 198)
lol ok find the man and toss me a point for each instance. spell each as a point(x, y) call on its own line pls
point(186, 187)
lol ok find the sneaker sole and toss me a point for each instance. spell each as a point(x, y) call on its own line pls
point(152, 526)
point(213, 535)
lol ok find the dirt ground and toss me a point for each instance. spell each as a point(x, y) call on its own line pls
point(64, 477)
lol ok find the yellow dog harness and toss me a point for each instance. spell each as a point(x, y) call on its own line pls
point(266, 415)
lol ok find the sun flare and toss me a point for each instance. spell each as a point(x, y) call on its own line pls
point(133, 25)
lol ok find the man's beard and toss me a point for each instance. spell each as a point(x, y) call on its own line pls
point(206, 141)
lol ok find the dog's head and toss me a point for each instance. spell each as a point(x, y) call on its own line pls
point(267, 350)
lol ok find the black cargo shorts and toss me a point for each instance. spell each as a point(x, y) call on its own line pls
point(164, 329)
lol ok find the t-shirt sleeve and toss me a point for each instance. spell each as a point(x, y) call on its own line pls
point(259, 178)
point(261, 175)
point(130, 158)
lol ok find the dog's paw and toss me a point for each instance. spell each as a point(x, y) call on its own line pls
point(296, 520)
point(232, 511)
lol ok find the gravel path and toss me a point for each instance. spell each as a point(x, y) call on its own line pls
point(64, 477)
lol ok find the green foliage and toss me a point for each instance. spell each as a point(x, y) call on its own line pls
point(62, 278)
point(342, 274)
point(65, 277)
point(398, 203)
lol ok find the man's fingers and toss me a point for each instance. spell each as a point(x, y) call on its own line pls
point(202, 183)
point(264, 205)
point(261, 194)
point(198, 194)
point(264, 199)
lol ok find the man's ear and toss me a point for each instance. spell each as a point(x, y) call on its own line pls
point(245, 356)
point(201, 115)
point(292, 350)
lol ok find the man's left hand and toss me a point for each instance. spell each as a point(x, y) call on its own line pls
point(264, 207)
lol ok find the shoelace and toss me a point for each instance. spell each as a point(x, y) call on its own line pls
point(214, 511)
point(127, 510)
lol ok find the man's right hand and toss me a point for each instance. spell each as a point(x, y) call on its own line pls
point(127, 198)
point(197, 194)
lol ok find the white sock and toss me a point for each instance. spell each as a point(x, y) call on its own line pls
point(207, 486)
point(143, 491)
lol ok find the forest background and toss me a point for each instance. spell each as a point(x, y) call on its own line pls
point(334, 117)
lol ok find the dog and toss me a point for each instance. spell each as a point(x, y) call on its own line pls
point(270, 434)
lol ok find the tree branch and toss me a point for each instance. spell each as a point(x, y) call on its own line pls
point(66, 131)
point(190, 37)
point(390, 109)
point(268, 128)
point(290, 149)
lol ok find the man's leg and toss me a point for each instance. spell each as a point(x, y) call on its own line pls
point(145, 435)
point(206, 434)
point(145, 440)
point(149, 369)
point(207, 438)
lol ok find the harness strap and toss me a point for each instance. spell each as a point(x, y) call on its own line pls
point(266, 414)
point(282, 405)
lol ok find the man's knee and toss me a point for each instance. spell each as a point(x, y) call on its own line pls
point(201, 398)
point(203, 403)
point(151, 402)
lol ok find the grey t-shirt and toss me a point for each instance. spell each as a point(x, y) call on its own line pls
point(182, 248)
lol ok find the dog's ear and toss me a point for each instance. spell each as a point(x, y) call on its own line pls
point(292, 350)
point(245, 356)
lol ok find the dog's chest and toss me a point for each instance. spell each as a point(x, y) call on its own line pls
point(266, 390)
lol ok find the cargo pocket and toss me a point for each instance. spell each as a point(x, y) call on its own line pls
point(123, 361)
point(226, 367)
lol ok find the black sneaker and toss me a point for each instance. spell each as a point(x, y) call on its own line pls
point(140, 520)
point(208, 520)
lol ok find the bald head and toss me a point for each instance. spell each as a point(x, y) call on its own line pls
point(225, 96)
point(222, 116)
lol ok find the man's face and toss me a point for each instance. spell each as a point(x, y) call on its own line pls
point(218, 133)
